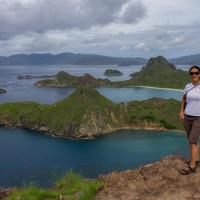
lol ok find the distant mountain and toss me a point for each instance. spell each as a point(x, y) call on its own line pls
point(187, 60)
point(87, 59)
point(69, 58)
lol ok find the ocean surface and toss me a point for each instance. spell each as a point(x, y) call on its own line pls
point(29, 156)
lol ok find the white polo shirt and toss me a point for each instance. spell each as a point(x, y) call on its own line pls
point(192, 99)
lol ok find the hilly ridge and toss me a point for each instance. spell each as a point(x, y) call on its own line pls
point(88, 114)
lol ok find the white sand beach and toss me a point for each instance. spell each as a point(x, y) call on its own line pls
point(158, 88)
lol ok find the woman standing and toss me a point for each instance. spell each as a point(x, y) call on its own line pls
point(190, 114)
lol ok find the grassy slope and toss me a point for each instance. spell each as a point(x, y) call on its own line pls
point(71, 186)
point(57, 116)
point(171, 79)
point(158, 73)
point(161, 111)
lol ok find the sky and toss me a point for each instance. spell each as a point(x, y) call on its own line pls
point(125, 28)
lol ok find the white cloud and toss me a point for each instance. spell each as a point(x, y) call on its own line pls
point(141, 46)
point(19, 17)
point(110, 27)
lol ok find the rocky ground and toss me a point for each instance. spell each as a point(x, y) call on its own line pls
point(156, 181)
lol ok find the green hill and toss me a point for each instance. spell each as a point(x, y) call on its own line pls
point(160, 73)
point(87, 114)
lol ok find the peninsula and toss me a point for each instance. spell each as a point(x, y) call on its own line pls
point(157, 73)
point(88, 114)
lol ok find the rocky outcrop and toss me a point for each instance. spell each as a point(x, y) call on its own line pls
point(157, 181)
point(160, 180)
point(2, 91)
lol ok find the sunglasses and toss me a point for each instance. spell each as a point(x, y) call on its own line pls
point(192, 73)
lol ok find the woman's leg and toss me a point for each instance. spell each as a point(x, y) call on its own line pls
point(193, 140)
point(194, 152)
point(197, 151)
point(187, 122)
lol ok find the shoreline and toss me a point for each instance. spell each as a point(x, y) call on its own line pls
point(158, 88)
point(104, 133)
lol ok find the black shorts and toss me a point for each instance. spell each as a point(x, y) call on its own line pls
point(192, 126)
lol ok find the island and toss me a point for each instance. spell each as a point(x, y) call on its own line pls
point(160, 73)
point(156, 181)
point(2, 91)
point(112, 72)
point(88, 114)
point(157, 73)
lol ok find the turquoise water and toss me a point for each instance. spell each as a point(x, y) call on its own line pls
point(138, 93)
point(30, 156)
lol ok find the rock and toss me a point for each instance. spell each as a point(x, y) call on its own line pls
point(157, 181)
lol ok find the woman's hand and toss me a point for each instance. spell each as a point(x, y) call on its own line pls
point(181, 115)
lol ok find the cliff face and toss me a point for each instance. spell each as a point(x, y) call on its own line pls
point(156, 181)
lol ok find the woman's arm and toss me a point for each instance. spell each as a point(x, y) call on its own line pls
point(183, 102)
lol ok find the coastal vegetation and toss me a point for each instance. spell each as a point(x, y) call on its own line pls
point(160, 73)
point(94, 116)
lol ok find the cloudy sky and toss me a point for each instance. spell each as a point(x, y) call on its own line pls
point(109, 27)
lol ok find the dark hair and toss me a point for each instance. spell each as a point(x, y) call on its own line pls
point(194, 67)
